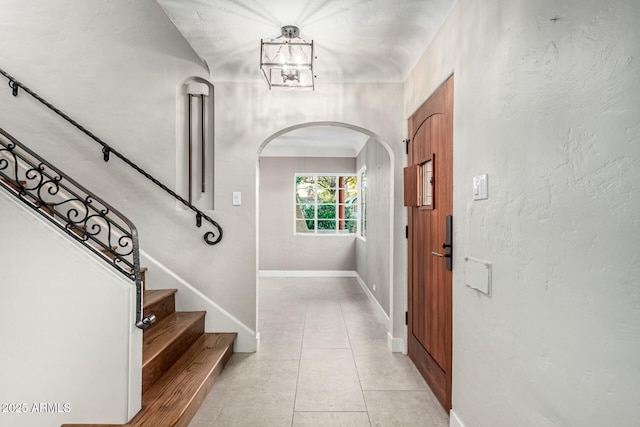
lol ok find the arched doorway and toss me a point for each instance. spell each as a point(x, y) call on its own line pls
point(326, 148)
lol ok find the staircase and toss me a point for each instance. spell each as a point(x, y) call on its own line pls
point(180, 360)
point(180, 363)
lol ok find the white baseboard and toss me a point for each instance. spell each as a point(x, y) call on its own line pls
point(454, 420)
point(188, 298)
point(306, 273)
point(376, 305)
point(396, 345)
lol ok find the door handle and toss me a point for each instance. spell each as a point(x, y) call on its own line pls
point(448, 244)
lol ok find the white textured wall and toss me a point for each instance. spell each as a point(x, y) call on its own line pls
point(56, 298)
point(373, 255)
point(298, 252)
point(547, 102)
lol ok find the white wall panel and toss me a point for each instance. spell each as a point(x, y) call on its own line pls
point(67, 330)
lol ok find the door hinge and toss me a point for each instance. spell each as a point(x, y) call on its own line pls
point(406, 317)
point(407, 141)
point(406, 232)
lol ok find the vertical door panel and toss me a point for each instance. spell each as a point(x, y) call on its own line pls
point(431, 129)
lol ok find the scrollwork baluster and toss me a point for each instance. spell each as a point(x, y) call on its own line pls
point(75, 210)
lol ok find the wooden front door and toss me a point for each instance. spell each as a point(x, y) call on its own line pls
point(429, 197)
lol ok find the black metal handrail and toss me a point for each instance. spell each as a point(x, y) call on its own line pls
point(72, 208)
point(209, 237)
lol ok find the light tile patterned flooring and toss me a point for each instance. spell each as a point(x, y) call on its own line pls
point(323, 361)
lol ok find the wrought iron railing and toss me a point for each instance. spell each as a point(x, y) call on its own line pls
point(71, 207)
point(211, 237)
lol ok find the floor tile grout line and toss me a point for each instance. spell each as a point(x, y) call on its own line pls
point(355, 365)
point(295, 395)
point(336, 412)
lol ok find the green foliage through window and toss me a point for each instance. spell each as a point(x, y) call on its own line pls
point(326, 204)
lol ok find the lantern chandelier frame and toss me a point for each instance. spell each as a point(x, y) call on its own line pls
point(287, 61)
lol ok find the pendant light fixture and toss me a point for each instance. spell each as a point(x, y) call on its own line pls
point(287, 61)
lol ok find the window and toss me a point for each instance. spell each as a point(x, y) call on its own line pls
point(363, 202)
point(427, 183)
point(326, 203)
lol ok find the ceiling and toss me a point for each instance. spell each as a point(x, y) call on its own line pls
point(354, 40)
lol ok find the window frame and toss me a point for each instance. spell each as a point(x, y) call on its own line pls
point(315, 231)
point(362, 202)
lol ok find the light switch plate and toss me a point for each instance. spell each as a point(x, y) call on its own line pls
point(480, 187)
point(237, 198)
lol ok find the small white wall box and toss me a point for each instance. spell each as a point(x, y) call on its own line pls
point(477, 275)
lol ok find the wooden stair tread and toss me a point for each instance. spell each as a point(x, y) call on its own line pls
point(108, 252)
point(153, 296)
point(48, 208)
point(166, 341)
point(12, 183)
point(175, 398)
point(45, 206)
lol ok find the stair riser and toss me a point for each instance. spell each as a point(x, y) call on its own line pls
point(162, 308)
point(163, 361)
